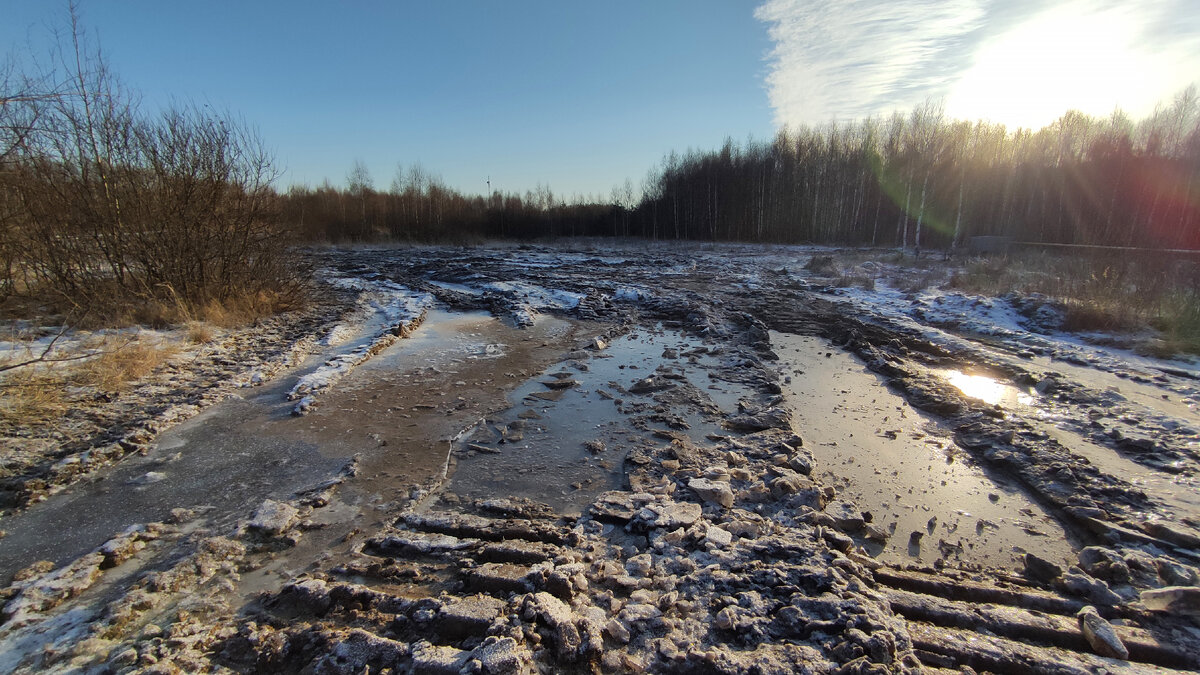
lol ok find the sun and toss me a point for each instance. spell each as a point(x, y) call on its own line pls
point(1072, 57)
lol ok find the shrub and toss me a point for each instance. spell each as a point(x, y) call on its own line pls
point(128, 215)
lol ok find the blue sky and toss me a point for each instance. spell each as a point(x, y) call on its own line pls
point(578, 96)
point(581, 96)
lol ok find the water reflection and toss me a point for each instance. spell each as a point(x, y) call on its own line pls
point(987, 389)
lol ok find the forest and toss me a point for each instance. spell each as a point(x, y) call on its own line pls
point(908, 180)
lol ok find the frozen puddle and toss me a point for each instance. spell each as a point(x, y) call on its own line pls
point(566, 437)
point(903, 467)
point(226, 460)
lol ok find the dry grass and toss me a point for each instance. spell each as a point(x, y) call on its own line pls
point(1101, 293)
point(162, 309)
point(30, 395)
point(199, 332)
point(229, 313)
point(41, 392)
point(115, 367)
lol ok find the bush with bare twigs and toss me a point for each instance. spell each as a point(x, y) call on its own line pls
point(128, 215)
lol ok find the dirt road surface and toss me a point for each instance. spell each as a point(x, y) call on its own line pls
point(620, 458)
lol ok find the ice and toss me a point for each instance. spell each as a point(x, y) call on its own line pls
point(535, 296)
point(630, 294)
point(393, 305)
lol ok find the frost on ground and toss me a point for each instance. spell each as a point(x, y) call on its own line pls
point(725, 542)
point(389, 309)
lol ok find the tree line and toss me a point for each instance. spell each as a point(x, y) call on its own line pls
point(910, 180)
point(924, 180)
point(419, 207)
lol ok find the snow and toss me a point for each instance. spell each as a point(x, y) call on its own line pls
point(933, 312)
point(459, 288)
point(27, 645)
point(536, 297)
point(527, 300)
point(393, 306)
point(631, 294)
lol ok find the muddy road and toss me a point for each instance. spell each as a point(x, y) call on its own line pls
point(642, 458)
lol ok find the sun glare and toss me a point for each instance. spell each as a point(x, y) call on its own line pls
point(1067, 58)
point(987, 389)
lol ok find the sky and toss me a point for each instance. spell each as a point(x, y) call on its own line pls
point(581, 96)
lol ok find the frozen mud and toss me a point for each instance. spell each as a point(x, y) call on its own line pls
point(642, 459)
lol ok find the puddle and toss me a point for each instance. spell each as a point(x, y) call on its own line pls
point(217, 459)
point(539, 448)
point(246, 449)
point(989, 390)
point(905, 469)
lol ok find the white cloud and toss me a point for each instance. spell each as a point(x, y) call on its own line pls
point(837, 60)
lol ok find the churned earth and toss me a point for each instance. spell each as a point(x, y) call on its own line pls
point(618, 458)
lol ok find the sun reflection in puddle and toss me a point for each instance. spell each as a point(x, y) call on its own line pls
point(987, 389)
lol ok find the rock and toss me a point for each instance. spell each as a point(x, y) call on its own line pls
point(1176, 574)
point(718, 537)
point(616, 505)
point(771, 418)
point(726, 619)
point(639, 565)
point(1040, 569)
point(180, 515)
point(1077, 582)
point(670, 514)
point(433, 659)
point(558, 616)
point(837, 540)
point(464, 617)
point(846, 516)
point(876, 533)
point(124, 659)
point(617, 630)
point(598, 344)
point(358, 650)
point(801, 461)
point(1100, 634)
point(650, 385)
point(1093, 558)
point(1174, 599)
point(1173, 533)
point(274, 518)
point(309, 595)
point(638, 611)
point(499, 578)
point(714, 492)
point(418, 542)
point(500, 656)
point(148, 478)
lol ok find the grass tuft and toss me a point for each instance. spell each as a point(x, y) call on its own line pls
point(42, 392)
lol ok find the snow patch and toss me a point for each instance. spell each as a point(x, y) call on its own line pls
point(397, 306)
point(631, 294)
